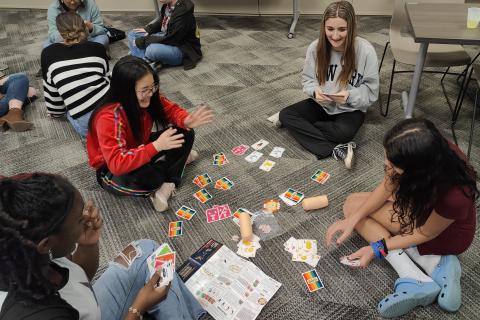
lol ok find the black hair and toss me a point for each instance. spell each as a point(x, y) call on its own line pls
point(126, 72)
point(32, 207)
point(82, 5)
point(430, 168)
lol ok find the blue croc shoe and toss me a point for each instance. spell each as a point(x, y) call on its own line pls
point(447, 275)
point(409, 293)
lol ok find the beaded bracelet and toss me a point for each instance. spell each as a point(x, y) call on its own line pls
point(135, 312)
point(379, 248)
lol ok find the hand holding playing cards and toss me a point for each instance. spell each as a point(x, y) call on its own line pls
point(364, 255)
point(320, 97)
point(345, 227)
point(150, 294)
point(168, 140)
point(89, 25)
point(92, 225)
point(203, 115)
point(341, 97)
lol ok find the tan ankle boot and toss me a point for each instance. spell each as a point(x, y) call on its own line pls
point(15, 120)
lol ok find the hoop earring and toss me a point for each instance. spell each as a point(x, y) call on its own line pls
point(50, 254)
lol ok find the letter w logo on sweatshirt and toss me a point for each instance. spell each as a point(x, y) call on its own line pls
point(331, 72)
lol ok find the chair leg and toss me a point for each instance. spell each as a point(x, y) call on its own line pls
point(383, 55)
point(389, 91)
point(444, 74)
point(472, 126)
point(461, 95)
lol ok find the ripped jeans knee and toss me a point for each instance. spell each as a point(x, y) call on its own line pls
point(136, 249)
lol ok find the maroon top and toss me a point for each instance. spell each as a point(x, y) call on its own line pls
point(454, 204)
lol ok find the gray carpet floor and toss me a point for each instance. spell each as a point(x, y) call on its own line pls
point(249, 71)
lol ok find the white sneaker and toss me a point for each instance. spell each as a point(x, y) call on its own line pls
point(344, 152)
point(192, 156)
point(161, 196)
point(275, 119)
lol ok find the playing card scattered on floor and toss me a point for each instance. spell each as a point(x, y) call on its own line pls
point(185, 212)
point(259, 145)
point(292, 197)
point(248, 249)
point(240, 150)
point(217, 213)
point(350, 263)
point(254, 156)
point(320, 176)
point(175, 229)
point(223, 184)
point(312, 280)
point(202, 180)
point(202, 195)
point(267, 165)
point(303, 250)
point(271, 206)
point(219, 159)
point(277, 152)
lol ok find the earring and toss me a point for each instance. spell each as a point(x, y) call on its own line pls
point(50, 254)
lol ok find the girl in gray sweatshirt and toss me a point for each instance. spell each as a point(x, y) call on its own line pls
point(340, 77)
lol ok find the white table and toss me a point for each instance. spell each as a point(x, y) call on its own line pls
point(291, 32)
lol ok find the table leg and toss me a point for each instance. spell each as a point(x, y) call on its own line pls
point(157, 11)
point(296, 15)
point(408, 101)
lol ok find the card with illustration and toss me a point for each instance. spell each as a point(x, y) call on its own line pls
point(223, 184)
point(292, 197)
point(240, 150)
point(175, 229)
point(312, 280)
point(202, 180)
point(259, 145)
point(217, 213)
point(185, 213)
point(254, 156)
point(202, 195)
point(267, 165)
point(219, 159)
point(320, 176)
point(277, 152)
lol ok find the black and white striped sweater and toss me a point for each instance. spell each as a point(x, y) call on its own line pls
point(75, 78)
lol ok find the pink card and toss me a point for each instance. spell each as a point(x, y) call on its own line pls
point(217, 213)
point(240, 150)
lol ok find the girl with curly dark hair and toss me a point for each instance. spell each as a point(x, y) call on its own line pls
point(423, 211)
point(43, 219)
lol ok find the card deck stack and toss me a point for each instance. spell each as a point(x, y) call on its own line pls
point(223, 184)
point(312, 280)
point(159, 257)
point(303, 250)
point(240, 150)
point(271, 206)
point(175, 229)
point(277, 152)
point(185, 213)
point(320, 176)
point(267, 165)
point(350, 263)
point(202, 195)
point(219, 159)
point(217, 213)
point(259, 145)
point(292, 197)
point(202, 180)
point(248, 249)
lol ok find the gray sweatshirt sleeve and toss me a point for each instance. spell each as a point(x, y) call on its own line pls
point(366, 94)
point(309, 77)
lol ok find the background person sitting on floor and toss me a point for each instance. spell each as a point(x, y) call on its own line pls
point(173, 39)
point(49, 254)
point(340, 76)
point(423, 211)
point(128, 157)
point(89, 12)
point(75, 73)
point(15, 94)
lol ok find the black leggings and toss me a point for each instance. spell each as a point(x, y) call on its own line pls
point(316, 130)
point(149, 177)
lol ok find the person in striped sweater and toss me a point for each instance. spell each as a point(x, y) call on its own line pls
point(75, 73)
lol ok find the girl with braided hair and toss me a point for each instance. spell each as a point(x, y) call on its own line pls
point(421, 214)
point(43, 219)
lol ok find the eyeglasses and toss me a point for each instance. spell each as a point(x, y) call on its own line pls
point(148, 91)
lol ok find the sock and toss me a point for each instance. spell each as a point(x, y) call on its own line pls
point(405, 267)
point(427, 262)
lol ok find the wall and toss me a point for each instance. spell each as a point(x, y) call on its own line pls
point(241, 7)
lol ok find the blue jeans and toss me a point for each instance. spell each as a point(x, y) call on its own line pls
point(118, 286)
point(80, 124)
point(162, 53)
point(15, 87)
point(100, 38)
